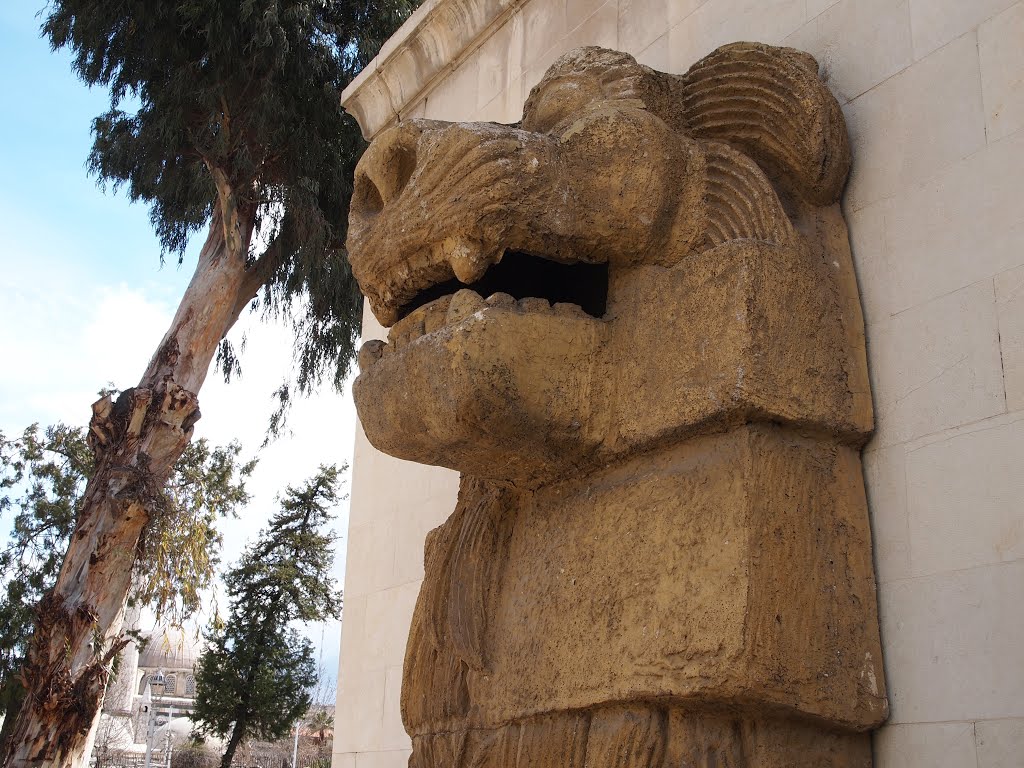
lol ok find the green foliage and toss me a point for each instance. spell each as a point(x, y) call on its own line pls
point(319, 722)
point(254, 678)
point(180, 546)
point(42, 477)
point(192, 756)
point(236, 103)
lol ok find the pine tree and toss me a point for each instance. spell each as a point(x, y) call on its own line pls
point(43, 474)
point(226, 113)
point(255, 678)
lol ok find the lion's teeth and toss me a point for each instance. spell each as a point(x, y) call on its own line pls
point(384, 310)
point(425, 319)
point(568, 310)
point(464, 303)
point(531, 304)
point(468, 270)
point(500, 300)
point(370, 353)
point(410, 330)
point(435, 313)
point(465, 259)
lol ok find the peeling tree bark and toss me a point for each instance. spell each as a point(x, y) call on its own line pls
point(136, 440)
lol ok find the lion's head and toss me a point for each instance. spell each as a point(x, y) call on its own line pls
point(644, 256)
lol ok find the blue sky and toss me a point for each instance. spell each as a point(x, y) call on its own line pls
point(76, 261)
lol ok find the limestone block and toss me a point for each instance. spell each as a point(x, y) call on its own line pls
point(952, 645)
point(360, 709)
point(640, 23)
point(873, 262)
point(492, 61)
point(918, 122)
point(414, 496)
point(343, 760)
point(393, 736)
point(886, 481)
point(926, 745)
point(937, 366)
point(1000, 743)
point(814, 7)
point(371, 557)
point(715, 22)
point(428, 513)
point(353, 631)
point(719, 617)
point(371, 327)
point(500, 62)
point(964, 499)
point(680, 9)
point(414, 110)
point(538, 64)
point(396, 758)
point(516, 45)
point(371, 105)
point(455, 97)
point(738, 368)
point(1002, 72)
point(937, 22)
point(839, 35)
point(403, 76)
point(388, 615)
point(656, 55)
point(506, 107)
point(599, 28)
point(544, 24)
point(434, 38)
point(578, 11)
point(492, 111)
point(367, 504)
point(1010, 308)
point(970, 208)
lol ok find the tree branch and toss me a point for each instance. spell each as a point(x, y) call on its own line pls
point(257, 275)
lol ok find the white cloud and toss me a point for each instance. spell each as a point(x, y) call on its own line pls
point(60, 349)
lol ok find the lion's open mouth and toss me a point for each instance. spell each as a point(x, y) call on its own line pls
point(519, 282)
point(521, 276)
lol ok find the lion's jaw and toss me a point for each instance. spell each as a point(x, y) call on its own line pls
point(503, 390)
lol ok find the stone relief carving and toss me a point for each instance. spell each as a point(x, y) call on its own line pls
point(631, 322)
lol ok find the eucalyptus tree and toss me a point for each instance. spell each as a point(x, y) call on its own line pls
point(223, 114)
point(43, 474)
point(255, 678)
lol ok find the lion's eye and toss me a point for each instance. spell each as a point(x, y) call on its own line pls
point(366, 198)
point(385, 171)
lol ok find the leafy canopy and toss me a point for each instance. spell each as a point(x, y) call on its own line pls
point(255, 677)
point(236, 103)
point(42, 477)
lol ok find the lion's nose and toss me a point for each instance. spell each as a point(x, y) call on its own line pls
point(386, 168)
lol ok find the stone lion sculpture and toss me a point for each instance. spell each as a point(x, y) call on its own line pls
point(631, 322)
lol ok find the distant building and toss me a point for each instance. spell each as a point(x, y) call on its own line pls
point(168, 652)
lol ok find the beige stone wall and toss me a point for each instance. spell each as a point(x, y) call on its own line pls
point(933, 92)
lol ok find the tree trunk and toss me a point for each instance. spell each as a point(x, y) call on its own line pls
point(136, 440)
point(229, 753)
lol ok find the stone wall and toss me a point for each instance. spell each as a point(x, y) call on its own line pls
point(933, 92)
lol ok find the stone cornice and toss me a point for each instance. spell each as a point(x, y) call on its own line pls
point(431, 43)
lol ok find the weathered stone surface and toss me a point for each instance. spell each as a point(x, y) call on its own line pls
point(631, 322)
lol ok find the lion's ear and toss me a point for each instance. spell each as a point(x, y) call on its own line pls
point(769, 103)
